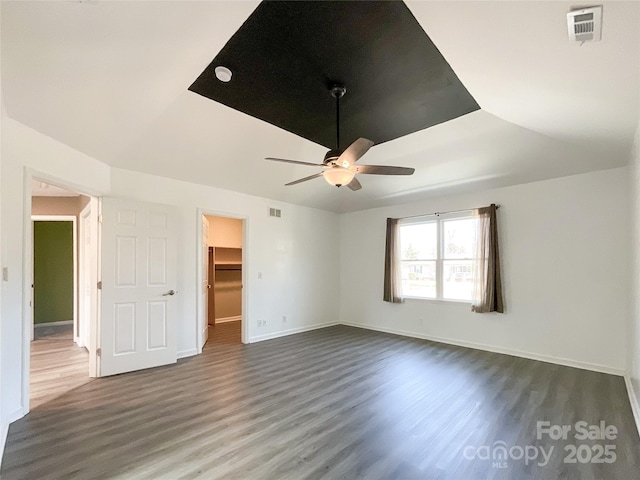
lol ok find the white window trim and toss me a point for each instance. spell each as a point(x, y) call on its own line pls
point(438, 219)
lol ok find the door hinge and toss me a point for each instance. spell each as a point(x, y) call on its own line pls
point(99, 352)
point(100, 285)
point(99, 218)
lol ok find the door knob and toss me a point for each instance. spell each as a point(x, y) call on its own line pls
point(170, 292)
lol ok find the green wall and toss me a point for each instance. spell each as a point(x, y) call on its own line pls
point(52, 271)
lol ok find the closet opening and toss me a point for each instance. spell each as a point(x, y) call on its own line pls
point(222, 246)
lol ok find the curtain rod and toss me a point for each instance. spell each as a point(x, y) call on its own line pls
point(437, 214)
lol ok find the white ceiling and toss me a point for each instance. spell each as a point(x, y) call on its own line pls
point(110, 79)
point(41, 189)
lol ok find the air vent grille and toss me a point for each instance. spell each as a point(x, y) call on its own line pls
point(275, 212)
point(585, 25)
point(581, 27)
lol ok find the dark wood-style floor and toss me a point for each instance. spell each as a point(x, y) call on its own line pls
point(336, 403)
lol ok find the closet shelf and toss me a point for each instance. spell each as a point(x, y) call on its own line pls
point(228, 266)
point(227, 258)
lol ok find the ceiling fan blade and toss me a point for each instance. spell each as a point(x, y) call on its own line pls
point(310, 177)
point(294, 161)
point(354, 184)
point(354, 152)
point(383, 170)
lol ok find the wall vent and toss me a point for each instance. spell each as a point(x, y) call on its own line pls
point(275, 212)
point(585, 25)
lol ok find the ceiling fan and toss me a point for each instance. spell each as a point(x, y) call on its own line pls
point(340, 166)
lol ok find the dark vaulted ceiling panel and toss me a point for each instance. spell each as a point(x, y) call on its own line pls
point(287, 54)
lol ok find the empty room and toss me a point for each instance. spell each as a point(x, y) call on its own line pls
point(382, 240)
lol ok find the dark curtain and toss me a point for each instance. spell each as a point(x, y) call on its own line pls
point(392, 263)
point(487, 292)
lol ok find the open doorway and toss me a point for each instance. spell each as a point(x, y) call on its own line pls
point(222, 299)
point(64, 290)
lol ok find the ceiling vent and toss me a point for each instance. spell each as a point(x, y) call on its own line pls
point(585, 25)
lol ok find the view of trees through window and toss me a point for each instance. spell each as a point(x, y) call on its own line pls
point(436, 258)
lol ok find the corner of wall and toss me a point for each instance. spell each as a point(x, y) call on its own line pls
point(633, 400)
point(4, 426)
point(632, 376)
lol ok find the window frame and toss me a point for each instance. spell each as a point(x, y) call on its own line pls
point(440, 259)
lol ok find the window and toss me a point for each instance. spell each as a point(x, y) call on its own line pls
point(436, 258)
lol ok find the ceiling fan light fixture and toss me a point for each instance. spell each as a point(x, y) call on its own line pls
point(338, 176)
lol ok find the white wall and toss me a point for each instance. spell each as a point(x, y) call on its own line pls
point(289, 252)
point(4, 424)
point(564, 256)
point(296, 277)
point(633, 360)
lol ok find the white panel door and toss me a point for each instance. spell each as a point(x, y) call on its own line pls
point(206, 286)
point(138, 319)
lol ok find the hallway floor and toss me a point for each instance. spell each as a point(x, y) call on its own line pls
point(57, 366)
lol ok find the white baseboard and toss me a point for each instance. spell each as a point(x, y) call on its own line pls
point(188, 353)
point(16, 415)
point(490, 348)
point(4, 431)
point(291, 331)
point(633, 399)
point(237, 318)
point(53, 324)
point(205, 338)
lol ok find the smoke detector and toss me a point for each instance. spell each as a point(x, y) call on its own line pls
point(585, 24)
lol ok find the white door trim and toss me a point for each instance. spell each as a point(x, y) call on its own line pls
point(88, 274)
point(84, 223)
point(73, 220)
point(200, 276)
point(205, 286)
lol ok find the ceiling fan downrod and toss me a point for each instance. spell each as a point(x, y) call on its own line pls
point(338, 92)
